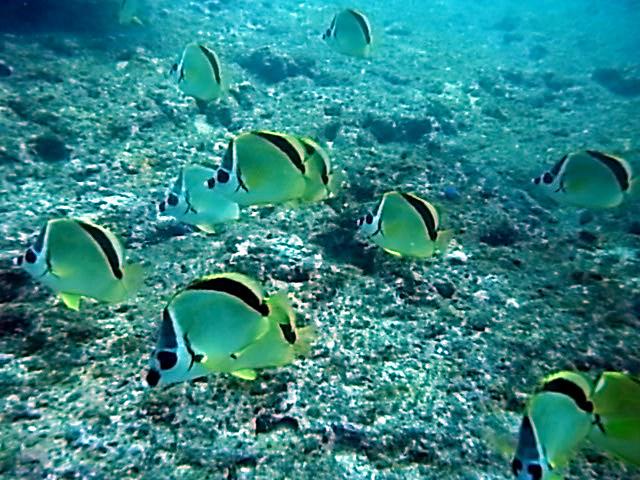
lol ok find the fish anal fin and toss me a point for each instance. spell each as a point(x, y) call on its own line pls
point(205, 228)
point(71, 300)
point(245, 374)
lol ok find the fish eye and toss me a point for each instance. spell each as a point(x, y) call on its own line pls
point(153, 377)
point(536, 181)
point(369, 219)
point(223, 176)
point(211, 182)
point(535, 471)
point(30, 256)
point(172, 199)
point(516, 466)
point(547, 178)
point(162, 206)
point(167, 360)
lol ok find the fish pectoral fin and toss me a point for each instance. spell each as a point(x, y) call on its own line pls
point(71, 300)
point(245, 374)
point(205, 228)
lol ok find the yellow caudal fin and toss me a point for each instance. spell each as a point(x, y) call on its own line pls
point(71, 300)
point(443, 240)
point(281, 309)
point(245, 374)
point(616, 401)
point(305, 338)
point(133, 278)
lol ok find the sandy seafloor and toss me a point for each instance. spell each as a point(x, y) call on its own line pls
point(417, 364)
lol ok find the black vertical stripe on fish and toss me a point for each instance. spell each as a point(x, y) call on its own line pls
point(616, 167)
point(333, 24)
point(213, 61)
point(288, 332)
point(364, 25)
point(227, 160)
point(284, 146)
point(571, 390)
point(40, 240)
point(235, 289)
point(105, 245)
point(311, 150)
point(167, 333)
point(558, 166)
point(425, 214)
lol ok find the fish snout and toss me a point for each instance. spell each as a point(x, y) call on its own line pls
point(17, 261)
point(162, 206)
point(211, 182)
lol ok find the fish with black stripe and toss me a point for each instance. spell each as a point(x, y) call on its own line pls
point(199, 73)
point(589, 179)
point(616, 400)
point(323, 180)
point(262, 167)
point(77, 258)
point(190, 201)
point(557, 420)
point(405, 225)
point(350, 33)
point(224, 323)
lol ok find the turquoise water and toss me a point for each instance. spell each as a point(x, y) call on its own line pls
point(421, 368)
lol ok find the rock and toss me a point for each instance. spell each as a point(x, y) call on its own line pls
point(634, 228)
point(331, 131)
point(51, 148)
point(11, 283)
point(348, 435)
point(266, 423)
point(445, 289)
point(5, 70)
point(502, 234)
point(538, 52)
point(273, 67)
point(451, 193)
point(617, 81)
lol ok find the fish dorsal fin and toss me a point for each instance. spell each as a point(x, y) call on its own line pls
point(555, 170)
point(427, 213)
point(364, 24)
point(167, 336)
point(107, 244)
point(285, 144)
point(213, 61)
point(572, 390)
point(236, 285)
point(618, 167)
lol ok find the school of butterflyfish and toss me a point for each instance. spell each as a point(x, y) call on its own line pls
point(224, 322)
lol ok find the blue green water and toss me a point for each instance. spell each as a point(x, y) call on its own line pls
point(420, 368)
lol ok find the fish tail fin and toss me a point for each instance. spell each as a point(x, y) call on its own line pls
point(133, 277)
point(336, 181)
point(443, 240)
point(280, 308)
point(634, 189)
point(305, 338)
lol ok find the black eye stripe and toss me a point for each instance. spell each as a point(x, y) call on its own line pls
point(172, 199)
point(222, 176)
point(167, 360)
point(369, 218)
point(30, 256)
point(547, 178)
